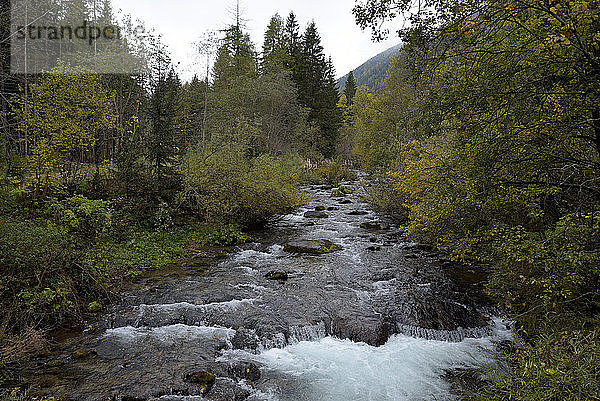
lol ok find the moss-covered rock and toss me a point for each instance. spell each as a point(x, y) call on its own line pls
point(316, 247)
point(57, 398)
point(94, 307)
point(202, 378)
point(53, 363)
point(277, 275)
point(80, 354)
point(346, 190)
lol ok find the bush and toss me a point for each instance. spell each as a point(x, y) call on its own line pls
point(550, 276)
point(227, 186)
point(384, 199)
point(152, 250)
point(80, 215)
point(560, 366)
point(38, 282)
point(333, 172)
point(143, 251)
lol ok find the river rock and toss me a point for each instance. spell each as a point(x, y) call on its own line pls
point(245, 339)
point(319, 208)
point(346, 202)
point(332, 208)
point(277, 275)
point(80, 354)
point(316, 215)
point(371, 330)
point(205, 380)
point(247, 371)
point(375, 225)
point(311, 246)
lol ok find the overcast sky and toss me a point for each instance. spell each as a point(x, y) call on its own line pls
point(182, 22)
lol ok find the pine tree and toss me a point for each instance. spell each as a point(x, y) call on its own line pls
point(275, 57)
point(235, 58)
point(315, 79)
point(292, 41)
point(329, 116)
point(162, 113)
point(350, 88)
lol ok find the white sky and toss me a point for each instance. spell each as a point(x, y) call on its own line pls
point(182, 22)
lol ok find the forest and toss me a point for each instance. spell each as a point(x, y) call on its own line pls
point(482, 142)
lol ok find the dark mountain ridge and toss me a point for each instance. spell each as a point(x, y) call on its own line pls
point(372, 72)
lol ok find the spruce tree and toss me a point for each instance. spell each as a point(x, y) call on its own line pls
point(235, 58)
point(315, 79)
point(275, 56)
point(292, 41)
point(350, 88)
point(163, 107)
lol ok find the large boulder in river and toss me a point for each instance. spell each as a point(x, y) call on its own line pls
point(315, 247)
point(369, 329)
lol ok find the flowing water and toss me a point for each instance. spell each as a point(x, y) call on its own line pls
point(380, 319)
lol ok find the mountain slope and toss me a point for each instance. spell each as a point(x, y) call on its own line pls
point(372, 73)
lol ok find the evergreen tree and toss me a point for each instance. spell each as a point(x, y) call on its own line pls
point(315, 79)
point(350, 88)
point(192, 103)
point(275, 56)
point(329, 116)
point(235, 58)
point(161, 146)
point(292, 41)
point(311, 66)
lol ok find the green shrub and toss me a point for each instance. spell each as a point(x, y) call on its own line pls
point(560, 366)
point(32, 194)
point(152, 250)
point(549, 276)
point(227, 186)
point(38, 278)
point(80, 215)
point(223, 236)
point(333, 172)
point(383, 198)
point(144, 251)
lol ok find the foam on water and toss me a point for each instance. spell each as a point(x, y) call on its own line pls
point(405, 368)
point(168, 334)
point(182, 306)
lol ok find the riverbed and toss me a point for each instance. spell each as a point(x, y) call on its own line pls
point(381, 317)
